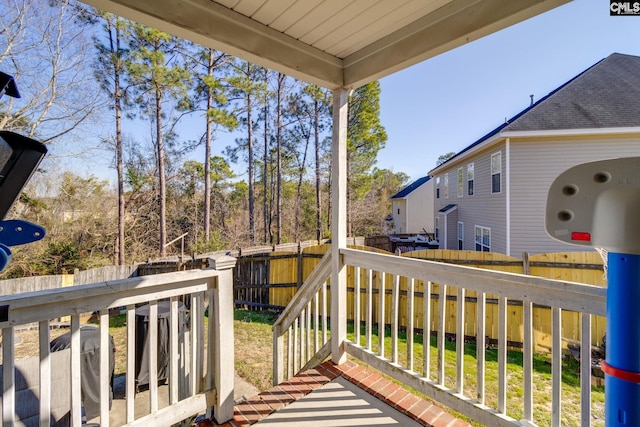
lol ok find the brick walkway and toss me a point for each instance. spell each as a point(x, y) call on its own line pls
point(254, 409)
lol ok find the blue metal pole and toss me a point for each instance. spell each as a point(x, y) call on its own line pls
point(622, 391)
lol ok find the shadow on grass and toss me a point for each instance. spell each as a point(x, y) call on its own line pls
point(250, 316)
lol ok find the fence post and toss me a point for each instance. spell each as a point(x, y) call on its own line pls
point(299, 266)
point(526, 266)
point(221, 311)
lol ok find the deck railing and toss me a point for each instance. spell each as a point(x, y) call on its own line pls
point(200, 377)
point(377, 275)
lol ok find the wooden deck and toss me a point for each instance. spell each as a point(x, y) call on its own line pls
point(260, 408)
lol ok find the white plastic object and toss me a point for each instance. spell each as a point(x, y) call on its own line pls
point(597, 204)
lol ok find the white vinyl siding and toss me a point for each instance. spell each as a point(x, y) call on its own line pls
point(484, 208)
point(496, 172)
point(534, 165)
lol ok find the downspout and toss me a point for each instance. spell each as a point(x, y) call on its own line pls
point(507, 188)
point(339, 225)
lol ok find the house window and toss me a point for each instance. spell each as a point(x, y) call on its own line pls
point(437, 229)
point(437, 187)
point(446, 185)
point(460, 182)
point(460, 236)
point(470, 179)
point(496, 172)
point(483, 239)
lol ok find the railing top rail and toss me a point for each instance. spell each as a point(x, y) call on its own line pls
point(556, 293)
point(47, 304)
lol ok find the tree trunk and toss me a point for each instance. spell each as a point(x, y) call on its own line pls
point(281, 78)
point(119, 165)
point(207, 156)
point(316, 134)
point(265, 175)
point(162, 187)
point(252, 225)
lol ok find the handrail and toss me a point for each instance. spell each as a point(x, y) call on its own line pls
point(375, 269)
point(28, 307)
point(297, 323)
point(191, 389)
point(557, 293)
point(311, 286)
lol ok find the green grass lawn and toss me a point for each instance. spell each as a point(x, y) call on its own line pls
point(515, 378)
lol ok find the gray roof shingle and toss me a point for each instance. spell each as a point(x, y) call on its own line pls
point(411, 187)
point(607, 95)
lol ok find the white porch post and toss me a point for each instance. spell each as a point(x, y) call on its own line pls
point(338, 226)
point(221, 346)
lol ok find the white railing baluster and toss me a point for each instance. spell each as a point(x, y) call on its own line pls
point(131, 362)
point(426, 329)
point(211, 348)
point(45, 373)
point(76, 390)
point(173, 350)
point(316, 324)
point(527, 359)
point(556, 367)
point(303, 345)
point(460, 322)
point(289, 352)
point(502, 355)
point(356, 309)
point(8, 378)
point(442, 307)
point(153, 355)
point(105, 365)
point(193, 345)
point(308, 345)
point(585, 369)
point(381, 309)
point(369, 309)
point(324, 312)
point(296, 365)
point(410, 323)
point(198, 348)
point(395, 308)
point(481, 344)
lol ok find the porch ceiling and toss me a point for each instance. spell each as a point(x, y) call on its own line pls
point(332, 43)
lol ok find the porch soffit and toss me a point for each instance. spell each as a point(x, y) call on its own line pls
point(332, 43)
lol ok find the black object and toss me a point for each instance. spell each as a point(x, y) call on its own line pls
point(19, 158)
point(89, 366)
point(142, 340)
point(8, 86)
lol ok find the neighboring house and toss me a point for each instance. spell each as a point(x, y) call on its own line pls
point(412, 208)
point(491, 196)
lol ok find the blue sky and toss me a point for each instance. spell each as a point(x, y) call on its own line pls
point(449, 101)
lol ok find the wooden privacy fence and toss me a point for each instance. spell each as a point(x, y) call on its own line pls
point(269, 281)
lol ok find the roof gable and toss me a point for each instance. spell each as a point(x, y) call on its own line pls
point(411, 187)
point(606, 95)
